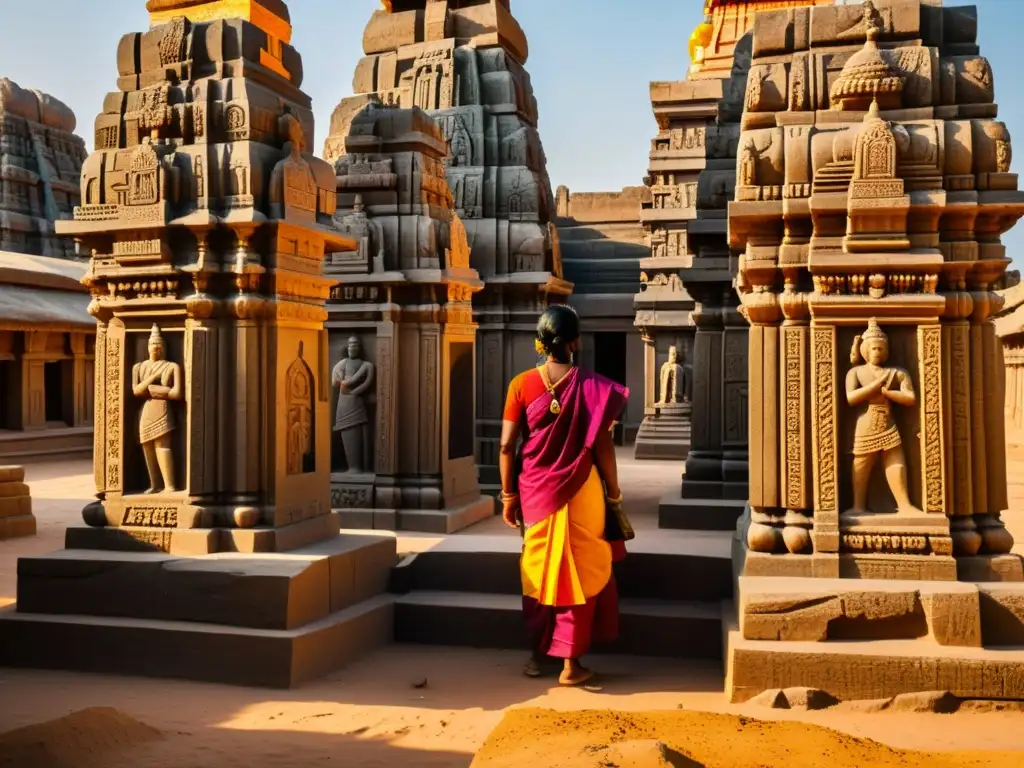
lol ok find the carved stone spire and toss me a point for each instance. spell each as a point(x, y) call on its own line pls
point(269, 15)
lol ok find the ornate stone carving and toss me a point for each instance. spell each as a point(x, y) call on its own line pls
point(158, 382)
point(354, 379)
point(300, 426)
point(872, 388)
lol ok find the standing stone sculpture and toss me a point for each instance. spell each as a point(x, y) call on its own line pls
point(158, 382)
point(675, 380)
point(405, 293)
point(208, 226)
point(463, 61)
point(872, 389)
point(354, 379)
point(873, 224)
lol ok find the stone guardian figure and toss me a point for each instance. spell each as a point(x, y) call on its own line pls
point(873, 388)
point(674, 380)
point(353, 377)
point(158, 382)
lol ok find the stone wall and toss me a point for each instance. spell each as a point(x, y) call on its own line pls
point(602, 244)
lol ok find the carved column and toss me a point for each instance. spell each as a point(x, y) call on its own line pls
point(795, 455)
point(734, 395)
point(956, 397)
point(81, 405)
point(825, 389)
point(704, 462)
point(388, 495)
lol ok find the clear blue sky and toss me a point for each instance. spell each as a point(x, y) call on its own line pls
point(590, 62)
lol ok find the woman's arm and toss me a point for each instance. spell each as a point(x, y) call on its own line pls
point(510, 510)
point(604, 458)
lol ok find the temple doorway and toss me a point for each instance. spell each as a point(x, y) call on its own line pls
point(610, 361)
point(53, 390)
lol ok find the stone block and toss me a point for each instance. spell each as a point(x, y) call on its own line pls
point(816, 610)
point(855, 670)
point(13, 489)
point(12, 474)
point(831, 25)
point(15, 506)
point(1002, 614)
point(17, 527)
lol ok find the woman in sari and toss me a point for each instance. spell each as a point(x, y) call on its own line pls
point(559, 496)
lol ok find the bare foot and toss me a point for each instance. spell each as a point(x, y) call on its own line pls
point(575, 674)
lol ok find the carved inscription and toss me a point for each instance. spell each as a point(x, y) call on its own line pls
point(151, 517)
point(884, 543)
point(930, 342)
point(794, 394)
point(823, 340)
point(113, 393)
point(350, 497)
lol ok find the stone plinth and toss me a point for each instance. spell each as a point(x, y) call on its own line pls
point(665, 434)
point(16, 518)
point(42, 160)
point(602, 244)
point(872, 187)
point(464, 63)
point(403, 340)
point(208, 225)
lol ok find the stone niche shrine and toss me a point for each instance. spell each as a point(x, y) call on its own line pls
point(873, 184)
point(402, 337)
point(463, 61)
point(208, 223)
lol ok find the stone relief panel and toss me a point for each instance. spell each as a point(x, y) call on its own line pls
point(300, 425)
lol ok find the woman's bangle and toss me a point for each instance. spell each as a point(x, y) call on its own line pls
point(617, 500)
point(507, 497)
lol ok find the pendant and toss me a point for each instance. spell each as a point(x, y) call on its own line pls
point(555, 407)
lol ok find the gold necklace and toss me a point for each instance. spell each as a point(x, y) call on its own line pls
point(555, 407)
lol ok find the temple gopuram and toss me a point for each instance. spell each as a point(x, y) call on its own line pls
point(873, 184)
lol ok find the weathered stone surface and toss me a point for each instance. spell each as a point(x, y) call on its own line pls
point(42, 160)
point(403, 387)
point(1002, 613)
point(16, 519)
point(818, 610)
point(464, 64)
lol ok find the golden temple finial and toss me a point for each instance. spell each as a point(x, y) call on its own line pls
point(269, 15)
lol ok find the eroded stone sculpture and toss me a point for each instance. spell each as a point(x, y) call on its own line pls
point(40, 165)
point(157, 381)
point(872, 389)
point(463, 61)
point(354, 379)
point(675, 380)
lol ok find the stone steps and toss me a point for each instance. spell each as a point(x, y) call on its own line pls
point(646, 627)
point(211, 653)
point(466, 591)
point(268, 620)
point(680, 513)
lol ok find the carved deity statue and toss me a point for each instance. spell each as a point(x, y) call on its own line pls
point(749, 158)
point(675, 380)
point(158, 382)
point(293, 189)
point(353, 377)
point(873, 388)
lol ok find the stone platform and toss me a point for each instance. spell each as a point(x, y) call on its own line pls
point(439, 521)
point(664, 434)
point(269, 620)
point(680, 512)
point(870, 639)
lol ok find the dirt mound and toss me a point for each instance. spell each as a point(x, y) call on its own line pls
point(85, 738)
point(546, 739)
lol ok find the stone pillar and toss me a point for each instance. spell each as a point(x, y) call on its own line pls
point(704, 462)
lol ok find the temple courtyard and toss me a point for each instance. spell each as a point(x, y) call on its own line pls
point(431, 705)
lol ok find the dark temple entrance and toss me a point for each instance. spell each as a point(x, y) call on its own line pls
point(610, 361)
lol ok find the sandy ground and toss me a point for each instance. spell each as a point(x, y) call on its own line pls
point(370, 714)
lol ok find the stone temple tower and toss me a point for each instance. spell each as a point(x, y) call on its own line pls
point(463, 61)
